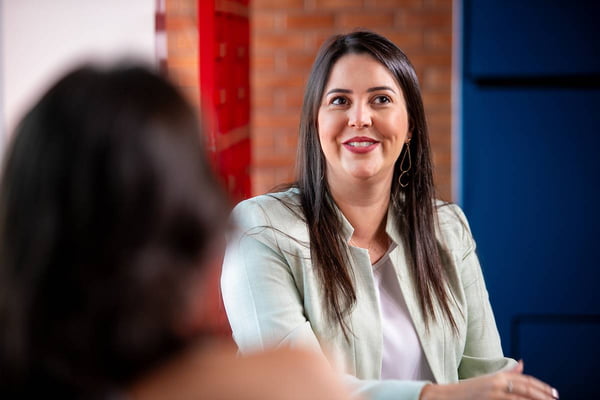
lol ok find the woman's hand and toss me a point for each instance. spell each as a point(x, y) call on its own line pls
point(510, 385)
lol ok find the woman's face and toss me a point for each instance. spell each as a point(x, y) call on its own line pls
point(362, 120)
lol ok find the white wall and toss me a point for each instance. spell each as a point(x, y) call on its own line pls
point(41, 39)
point(1, 79)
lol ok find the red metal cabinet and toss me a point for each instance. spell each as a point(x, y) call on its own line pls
point(224, 40)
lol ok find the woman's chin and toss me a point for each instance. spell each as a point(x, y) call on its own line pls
point(363, 175)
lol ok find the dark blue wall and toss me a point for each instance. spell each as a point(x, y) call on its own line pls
point(530, 187)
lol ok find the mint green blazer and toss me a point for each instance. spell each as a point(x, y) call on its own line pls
point(273, 298)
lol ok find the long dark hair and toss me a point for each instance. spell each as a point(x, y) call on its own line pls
point(413, 205)
point(108, 208)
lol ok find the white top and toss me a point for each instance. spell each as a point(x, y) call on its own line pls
point(402, 356)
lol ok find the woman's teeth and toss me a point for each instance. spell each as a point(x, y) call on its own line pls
point(360, 144)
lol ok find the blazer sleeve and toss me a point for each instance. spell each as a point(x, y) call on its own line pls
point(262, 301)
point(482, 352)
point(265, 306)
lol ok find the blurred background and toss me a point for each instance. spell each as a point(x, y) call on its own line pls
point(512, 96)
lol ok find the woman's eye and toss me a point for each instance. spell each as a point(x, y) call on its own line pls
point(339, 101)
point(382, 100)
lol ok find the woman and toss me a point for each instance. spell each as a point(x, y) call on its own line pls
point(357, 259)
point(109, 218)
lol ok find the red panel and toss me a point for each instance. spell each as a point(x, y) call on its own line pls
point(234, 166)
point(225, 87)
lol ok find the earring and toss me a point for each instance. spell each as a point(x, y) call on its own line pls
point(404, 169)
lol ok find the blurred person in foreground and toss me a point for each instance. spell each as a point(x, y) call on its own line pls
point(109, 220)
point(358, 259)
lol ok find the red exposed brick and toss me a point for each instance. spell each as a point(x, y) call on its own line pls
point(438, 79)
point(263, 178)
point(316, 39)
point(262, 99)
point(182, 41)
point(273, 81)
point(288, 141)
point(394, 3)
point(279, 4)
point(183, 60)
point(298, 61)
point(433, 59)
point(279, 41)
point(264, 21)
point(439, 132)
point(427, 20)
point(285, 174)
point(365, 20)
point(407, 41)
point(265, 120)
point(438, 4)
point(263, 141)
point(438, 40)
point(441, 137)
point(308, 21)
point(293, 99)
point(342, 5)
point(439, 119)
point(272, 159)
point(177, 22)
point(180, 7)
point(263, 62)
point(436, 101)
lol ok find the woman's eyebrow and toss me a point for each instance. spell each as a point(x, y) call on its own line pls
point(337, 90)
point(348, 91)
point(377, 88)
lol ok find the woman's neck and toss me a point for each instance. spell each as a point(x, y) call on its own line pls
point(365, 205)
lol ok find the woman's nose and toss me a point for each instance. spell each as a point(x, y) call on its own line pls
point(359, 116)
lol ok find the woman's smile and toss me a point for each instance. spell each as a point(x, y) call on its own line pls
point(360, 144)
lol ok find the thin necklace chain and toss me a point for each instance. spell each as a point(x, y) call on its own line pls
point(370, 245)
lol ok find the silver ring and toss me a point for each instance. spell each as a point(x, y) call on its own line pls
point(509, 387)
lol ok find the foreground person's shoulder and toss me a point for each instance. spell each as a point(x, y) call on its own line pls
point(219, 373)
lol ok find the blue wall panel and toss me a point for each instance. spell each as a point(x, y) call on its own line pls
point(530, 178)
point(531, 191)
point(532, 37)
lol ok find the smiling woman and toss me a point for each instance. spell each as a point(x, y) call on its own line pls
point(362, 121)
point(358, 260)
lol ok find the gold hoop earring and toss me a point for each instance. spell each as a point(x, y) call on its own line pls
point(404, 170)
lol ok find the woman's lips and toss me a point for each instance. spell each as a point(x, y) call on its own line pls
point(360, 145)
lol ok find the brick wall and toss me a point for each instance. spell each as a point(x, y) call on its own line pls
point(181, 23)
point(286, 35)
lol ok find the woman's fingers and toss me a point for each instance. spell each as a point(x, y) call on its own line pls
point(517, 369)
point(507, 385)
point(529, 387)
